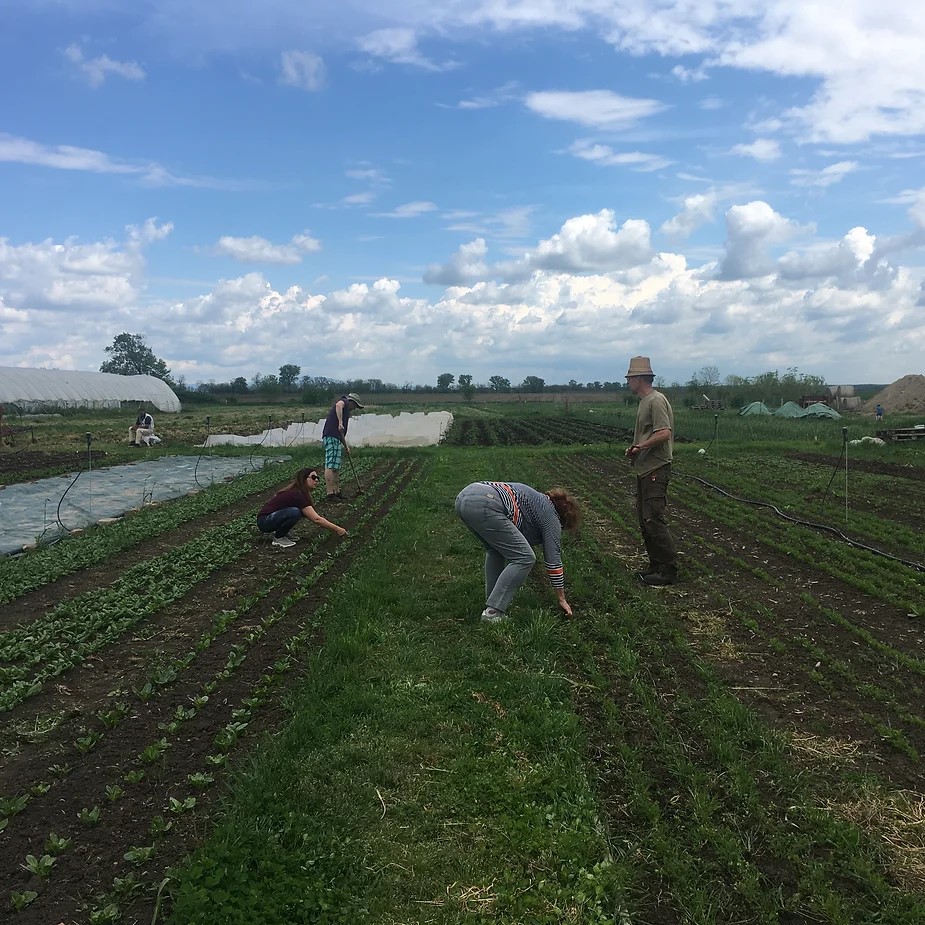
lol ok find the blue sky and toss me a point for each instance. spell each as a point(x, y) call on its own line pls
point(516, 187)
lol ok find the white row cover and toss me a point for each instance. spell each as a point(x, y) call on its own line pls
point(37, 389)
point(418, 428)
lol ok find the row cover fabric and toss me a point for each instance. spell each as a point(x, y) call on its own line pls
point(35, 389)
point(791, 409)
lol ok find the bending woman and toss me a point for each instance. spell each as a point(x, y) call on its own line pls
point(510, 518)
point(284, 510)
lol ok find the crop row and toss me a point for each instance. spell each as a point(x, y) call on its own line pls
point(200, 693)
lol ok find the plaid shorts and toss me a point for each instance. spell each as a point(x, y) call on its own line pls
point(333, 452)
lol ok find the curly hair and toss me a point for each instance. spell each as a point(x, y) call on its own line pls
point(566, 507)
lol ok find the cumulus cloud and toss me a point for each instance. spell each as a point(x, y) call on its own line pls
point(594, 108)
point(697, 210)
point(465, 266)
point(751, 231)
point(584, 244)
point(96, 70)
point(139, 235)
point(301, 69)
point(842, 259)
point(259, 250)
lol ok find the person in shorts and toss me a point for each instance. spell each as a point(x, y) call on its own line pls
point(334, 440)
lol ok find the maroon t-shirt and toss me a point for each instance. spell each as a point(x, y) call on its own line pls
point(288, 497)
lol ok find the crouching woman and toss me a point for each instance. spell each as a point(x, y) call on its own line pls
point(510, 518)
point(291, 503)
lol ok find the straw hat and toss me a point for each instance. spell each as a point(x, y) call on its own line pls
point(640, 366)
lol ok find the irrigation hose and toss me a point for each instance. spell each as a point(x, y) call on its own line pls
point(202, 451)
point(266, 434)
point(918, 566)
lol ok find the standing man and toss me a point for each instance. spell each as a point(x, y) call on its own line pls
point(334, 439)
point(650, 455)
point(878, 412)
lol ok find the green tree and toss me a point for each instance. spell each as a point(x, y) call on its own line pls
point(288, 374)
point(466, 386)
point(499, 384)
point(240, 386)
point(444, 381)
point(532, 384)
point(129, 355)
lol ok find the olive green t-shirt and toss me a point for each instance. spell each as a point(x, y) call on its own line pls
point(654, 414)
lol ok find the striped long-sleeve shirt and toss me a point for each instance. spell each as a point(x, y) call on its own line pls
point(535, 516)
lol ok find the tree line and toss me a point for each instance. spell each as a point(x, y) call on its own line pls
point(129, 355)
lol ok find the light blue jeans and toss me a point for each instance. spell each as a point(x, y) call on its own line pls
point(508, 555)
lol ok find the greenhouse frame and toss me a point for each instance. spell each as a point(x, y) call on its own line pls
point(30, 391)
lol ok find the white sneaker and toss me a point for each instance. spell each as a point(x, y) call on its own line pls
point(283, 541)
point(490, 615)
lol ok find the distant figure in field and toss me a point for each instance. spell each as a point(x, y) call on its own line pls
point(651, 455)
point(291, 503)
point(878, 412)
point(334, 439)
point(143, 427)
point(510, 518)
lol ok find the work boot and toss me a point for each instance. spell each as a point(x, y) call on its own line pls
point(334, 497)
point(659, 579)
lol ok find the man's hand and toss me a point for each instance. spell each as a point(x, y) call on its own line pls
point(566, 607)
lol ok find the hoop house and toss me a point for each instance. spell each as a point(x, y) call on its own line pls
point(36, 390)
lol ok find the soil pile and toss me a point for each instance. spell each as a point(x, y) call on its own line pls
point(906, 394)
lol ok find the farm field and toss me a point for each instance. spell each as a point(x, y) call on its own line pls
point(196, 727)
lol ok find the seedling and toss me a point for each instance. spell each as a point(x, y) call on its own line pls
point(89, 816)
point(19, 900)
point(40, 867)
point(159, 825)
point(140, 855)
point(126, 886)
point(134, 777)
point(39, 789)
point(113, 792)
point(86, 743)
point(181, 806)
point(10, 806)
point(201, 780)
point(153, 752)
point(55, 844)
point(108, 913)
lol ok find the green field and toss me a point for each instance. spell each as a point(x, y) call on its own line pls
point(329, 734)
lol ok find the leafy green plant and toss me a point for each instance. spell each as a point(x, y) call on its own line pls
point(114, 792)
point(40, 867)
point(20, 899)
point(181, 806)
point(89, 817)
point(139, 855)
point(55, 844)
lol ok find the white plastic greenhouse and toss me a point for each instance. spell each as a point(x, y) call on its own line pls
point(36, 390)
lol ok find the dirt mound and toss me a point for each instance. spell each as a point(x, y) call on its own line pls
point(906, 394)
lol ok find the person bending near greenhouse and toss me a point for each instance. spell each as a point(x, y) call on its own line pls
point(510, 518)
point(334, 440)
point(291, 503)
point(143, 427)
point(651, 455)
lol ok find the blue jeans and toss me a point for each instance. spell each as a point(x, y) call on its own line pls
point(279, 522)
point(508, 555)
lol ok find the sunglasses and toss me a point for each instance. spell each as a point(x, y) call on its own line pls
point(315, 478)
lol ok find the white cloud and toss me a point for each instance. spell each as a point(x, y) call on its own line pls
point(595, 108)
point(587, 243)
point(259, 250)
point(302, 69)
point(689, 74)
point(843, 259)
point(67, 157)
point(762, 149)
point(827, 176)
point(399, 46)
point(751, 230)
point(95, 70)
point(697, 210)
point(148, 232)
point(605, 156)
point(408, 210)
point(466, 266)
